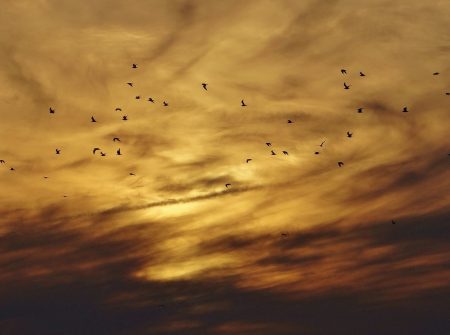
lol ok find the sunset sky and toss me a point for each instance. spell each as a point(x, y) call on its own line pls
point(151, 241)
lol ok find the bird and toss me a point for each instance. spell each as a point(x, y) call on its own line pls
point(227, 185)
point(248, 160)
point(132, 174)
point(344, 71)
point(118, 109)
point(51, 110)
point(165, 104)
point(116, 139)
point(138, 97)
point(435, 73)
point(58, 151)
point(273, 153)
point(285, 152)
point(290, 121)
point(125, 118)
point(151, 100)
point(65, 196)
point(346, 87)
point(360, 110)
point(316, 153)
point(361, 74)
point(12, 169)
point(95, 149)
point(92, 119)
point(340, 164)
point(102, 153)
point(321, 144)
point(243, 103)
point(204, 86)
point(447, 93)
point(134, 66)
point(405, 110)
point(2, 161)
point(45, 177)
point(269, 144)
point(118, 152)
point(130, 84)
point(393, 222)
point(349, 134)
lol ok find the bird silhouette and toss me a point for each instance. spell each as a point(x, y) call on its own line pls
point(269, 144)
point(45, 177)
point(204, 86)
point(12, 169)
point(435, 74)
point(118, 109)
point(132, 174)
point(290, 121)
point(393, 222)
point(285, 152)
point(316, 153)
point(321, 144)
point(151, 100)
point(405, 110)
point(346, 87)
point(116, 139)
point(125, 118)
point(344, 71)
point(58, 151)
point(51, 110)
point(340, 164)
point(248, 160)
point(102, 153)
point(243, 103)
point(362, 74)
point(134, 66)
point(447, 93)
point(92, 119)
point(227, 185)
point(2, 161)
point(360, 110)
point(138, 97)
point(130, 84)
point(273, 153)
point(349, 134)
point(95, 149)
point(165, 104)
point(118, 152)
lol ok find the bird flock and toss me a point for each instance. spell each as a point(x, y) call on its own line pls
point(204, 85)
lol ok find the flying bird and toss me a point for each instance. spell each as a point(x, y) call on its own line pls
point(349, 134)
point(362, 74)
point(51, 110)
point(58, 151)
point(138, 97)
point(248, 160)
point(12, 169)
point(151, 100)
point(134, 66)
point(360, 110)
point(165, 104)
point(344, 71)
point(125, 118)
point(435, 74)
point(132, 174)
point(405, 110)
point(273, 153)
point(346, 87)
point(45, 177)
point(204, 86)
point(316, 152)
point(2, 161)
point(130, 84)
point(340, 164)
point(92, 119)
point(243, 103)
point(321, 144)
point(269, 144)
point(285, 152)
point(118, 109)
point(227, 185)
point(118, 152)
point(290, 121)
point(116, 139)
point(447, 93)
point(95, 149)
point(102, 153)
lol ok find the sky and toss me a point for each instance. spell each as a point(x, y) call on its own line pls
point(152, 241)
